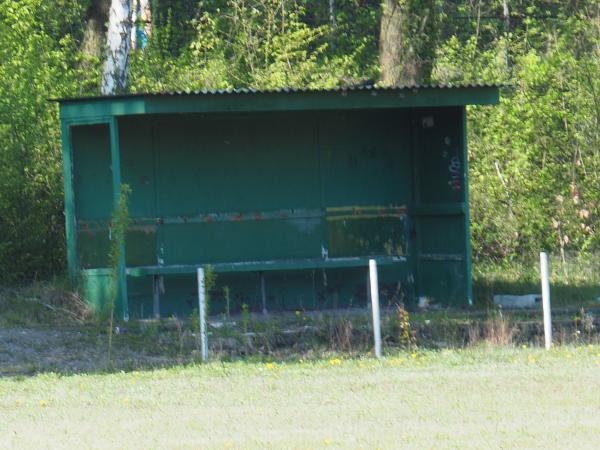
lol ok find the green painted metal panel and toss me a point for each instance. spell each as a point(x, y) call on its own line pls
point(443, 281)
point(92, 183)
point(364, 158)
point(442, 235)
point(248, 241)
point(236, 163)
point(70, 227)
point(440, 155)
point(438, 205)
point(137, 165)
point(259, 266)
point(141, 245)
point(122, 300)
point(96, 288)
point(93, 246)
point(215, 176)
point(92, 178)
point(305, 189)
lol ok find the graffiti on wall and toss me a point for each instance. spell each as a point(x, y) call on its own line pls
point(454, 171)
point(454, 168)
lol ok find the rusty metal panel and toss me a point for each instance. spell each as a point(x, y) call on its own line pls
point(366, 236)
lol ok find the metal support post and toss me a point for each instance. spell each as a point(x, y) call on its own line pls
point(202, 314)
point(374, 284)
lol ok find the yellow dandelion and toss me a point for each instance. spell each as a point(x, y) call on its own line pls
point(43, 403)
point(413, 355)
point(335, 361)
point(327, 441)
point(270, 365)
point(524, 346)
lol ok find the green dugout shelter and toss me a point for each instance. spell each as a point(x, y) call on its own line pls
point(287, 194)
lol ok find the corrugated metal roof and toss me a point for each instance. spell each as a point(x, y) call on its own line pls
point(246, 91)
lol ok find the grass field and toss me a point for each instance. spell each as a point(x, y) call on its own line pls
point(478, 398)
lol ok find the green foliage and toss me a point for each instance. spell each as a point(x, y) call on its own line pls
point(262, 44)
point(39, 59)
point(406, 336)
point(119, 224)
point(210, 281)
point(118, 231)
point(227, 296)
point(534, 159)
point(245, 317)
point(172, 21)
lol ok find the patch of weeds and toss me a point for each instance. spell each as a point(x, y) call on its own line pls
point(575, 280)
point(245, 317)
point(119, 224)
point(48, 303)
point(497, 331)
point(406, 335)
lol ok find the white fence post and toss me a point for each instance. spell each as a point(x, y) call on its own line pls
point(202, 314)
point(546, 300)
point(374, 289)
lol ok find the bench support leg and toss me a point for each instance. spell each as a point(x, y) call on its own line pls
point(156, 296)
point(263, 292)
point(314, 291)
point(368, 305)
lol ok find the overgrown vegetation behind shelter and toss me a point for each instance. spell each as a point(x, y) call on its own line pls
point(534, 160)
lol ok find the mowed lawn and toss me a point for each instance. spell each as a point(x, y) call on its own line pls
point(481, 398)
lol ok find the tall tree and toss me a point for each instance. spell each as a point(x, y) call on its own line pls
point(407, 41)
point(93, 34)
point(114, 78)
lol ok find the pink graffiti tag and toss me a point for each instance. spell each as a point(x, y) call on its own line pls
point(454, 170)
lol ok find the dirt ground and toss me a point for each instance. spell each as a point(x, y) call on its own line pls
point(26, 349)
point(31, 350)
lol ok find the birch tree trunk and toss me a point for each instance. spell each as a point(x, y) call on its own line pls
point(332, 20)
point(114, 78)
point(134, 25)
point(506, 14)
